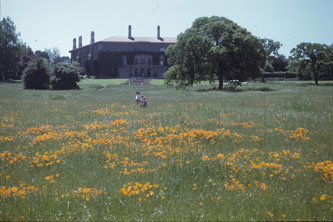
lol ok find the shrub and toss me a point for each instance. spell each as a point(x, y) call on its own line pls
point(284, 75)
point(291, 75)
point(37, 74)
point(65, 76)
point(326, 76)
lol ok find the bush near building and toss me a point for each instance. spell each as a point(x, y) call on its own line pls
point(65, 76)
point(37, 74)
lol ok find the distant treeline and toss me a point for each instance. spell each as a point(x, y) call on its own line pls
point(290, 75)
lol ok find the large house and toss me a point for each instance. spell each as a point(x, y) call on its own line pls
point(124, 57)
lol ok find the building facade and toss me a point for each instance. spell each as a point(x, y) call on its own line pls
point(124, 57)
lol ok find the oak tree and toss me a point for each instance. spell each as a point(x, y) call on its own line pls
point(309, 59)
point(11, 49)
point(214, 48)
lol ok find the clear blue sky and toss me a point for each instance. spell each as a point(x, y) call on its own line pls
point(54, 23)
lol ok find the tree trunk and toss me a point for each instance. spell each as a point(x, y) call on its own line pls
point(316, 78)
point(263, 78)
point(220, 82)
point(314, 70)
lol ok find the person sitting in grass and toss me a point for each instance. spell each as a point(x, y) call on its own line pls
point(137, 97)
point(143, 101)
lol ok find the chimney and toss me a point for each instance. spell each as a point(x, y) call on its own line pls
point(74, 43)
point(92, 37)
point(80, 42)
point(130, 32)
point(158, 32)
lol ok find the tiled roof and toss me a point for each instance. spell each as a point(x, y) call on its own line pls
point(141, 39)
point(122, 39)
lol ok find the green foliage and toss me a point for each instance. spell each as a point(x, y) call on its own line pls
point(37, 74)
point(274, 61)
point(212, 49)
point(284, 75)
point(81, 70)
point(329, 60)
point(25, 59)
point(65, 76)
point(11, 49)
point(53, 56)
point(43, 54)
point(188, 59)
point(280, 63)
point(271, 48)
point(268, 67)
point(310, 59)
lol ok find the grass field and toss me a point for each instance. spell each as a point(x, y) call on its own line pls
point(261, 153)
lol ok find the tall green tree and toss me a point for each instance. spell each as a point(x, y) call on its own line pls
point(280, 63)
point(309, 59)
point(54, 55)
point(43, 54)
point(11, 49)
point(271, 48)
point(26, 58)
point(214, 48)
point(189, 59)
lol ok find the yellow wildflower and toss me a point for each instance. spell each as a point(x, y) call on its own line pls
point(85, 190)
point(270, 214)
point(263, 186)
point(220, 156)
point(205, 158)
point(14, 189)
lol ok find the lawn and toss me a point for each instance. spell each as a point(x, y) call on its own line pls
point(263, 152)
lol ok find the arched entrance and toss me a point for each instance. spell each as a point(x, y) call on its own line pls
point(142, 72)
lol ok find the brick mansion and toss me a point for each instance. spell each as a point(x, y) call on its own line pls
point(124, 57)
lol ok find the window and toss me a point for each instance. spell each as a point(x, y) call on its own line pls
point(142, 72)
point(162, 60)
point(124, 60)
point(143, 59)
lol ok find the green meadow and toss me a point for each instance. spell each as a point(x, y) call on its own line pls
point(261, 152)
